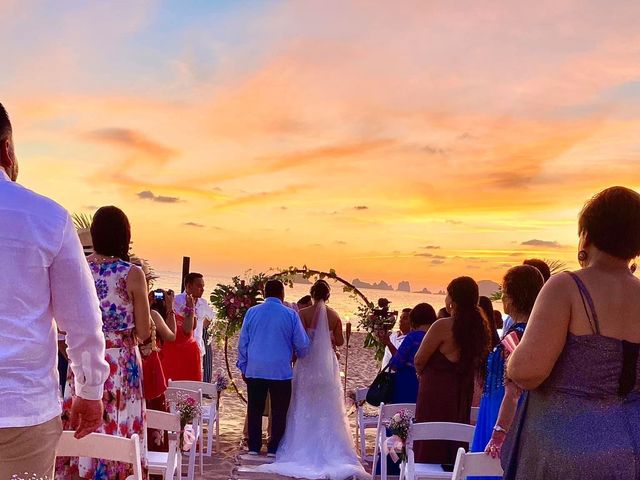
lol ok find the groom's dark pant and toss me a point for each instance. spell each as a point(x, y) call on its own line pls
point(280, 391)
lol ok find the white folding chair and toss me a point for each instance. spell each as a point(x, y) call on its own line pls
point(473, 417)
point(165, 463)
point(100, 445)
point(210, 413)
point(455, 432)
point(386, 412)
point(171, 395)
point(363, 422)
point(472, 464)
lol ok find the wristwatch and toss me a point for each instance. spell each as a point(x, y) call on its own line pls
point(498, 428)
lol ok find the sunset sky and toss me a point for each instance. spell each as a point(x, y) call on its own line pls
point(405, 140)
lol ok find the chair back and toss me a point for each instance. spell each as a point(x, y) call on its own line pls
point(361, 394)
point(169, 422)
point(472, 464)
point(172, 395)
point(455, 432)
point(207, 388)
point(100, 445)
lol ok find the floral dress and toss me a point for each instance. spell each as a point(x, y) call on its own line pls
point(124, 406)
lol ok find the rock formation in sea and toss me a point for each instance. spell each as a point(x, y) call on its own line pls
point(382, 285)
point(404, 286)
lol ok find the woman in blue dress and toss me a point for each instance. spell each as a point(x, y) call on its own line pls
point(520, 288)
point(405, 386)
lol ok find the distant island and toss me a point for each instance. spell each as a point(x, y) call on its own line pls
point(404, 286)
point(381, 285)
point(424, 290)
point(297, 278)
point(488, 287)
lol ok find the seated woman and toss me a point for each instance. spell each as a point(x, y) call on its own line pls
point(452, 355)
point(520, 288)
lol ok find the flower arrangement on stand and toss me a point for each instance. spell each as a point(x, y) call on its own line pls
point(373, 320)
point(399, 426)
point(222, 383)
point(188, 408)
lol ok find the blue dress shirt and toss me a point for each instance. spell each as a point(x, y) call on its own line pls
point(270, 334)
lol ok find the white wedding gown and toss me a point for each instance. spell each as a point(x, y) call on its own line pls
point(317, 443)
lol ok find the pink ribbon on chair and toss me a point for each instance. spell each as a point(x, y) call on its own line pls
point(391, 446)
point(188, 437)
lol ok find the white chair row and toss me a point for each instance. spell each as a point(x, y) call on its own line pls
point(363, 422)
point(167, 464)
point(467, 464)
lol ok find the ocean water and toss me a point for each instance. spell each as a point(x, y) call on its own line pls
point(340, 301)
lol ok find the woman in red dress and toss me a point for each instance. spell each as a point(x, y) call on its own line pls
point(181, 359)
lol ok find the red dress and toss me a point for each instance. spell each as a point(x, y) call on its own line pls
point(181, 359)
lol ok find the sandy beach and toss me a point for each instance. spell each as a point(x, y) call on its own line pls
point(362, 369)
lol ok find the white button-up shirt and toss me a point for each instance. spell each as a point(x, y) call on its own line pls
point(43, 274)
point(203, 311)
point(396, 339)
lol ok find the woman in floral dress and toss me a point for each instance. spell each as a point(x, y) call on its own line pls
point(122, 290)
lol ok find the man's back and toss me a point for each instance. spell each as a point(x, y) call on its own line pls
point(270, 334)
point(31, 234)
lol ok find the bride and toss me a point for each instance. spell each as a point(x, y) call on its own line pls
point(317, 443)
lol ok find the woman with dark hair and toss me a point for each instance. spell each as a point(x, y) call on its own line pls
point(579, 357)
point(122, 291)
point(452, 355)
point(320, 292)
point(487, 307)
point(520, 288)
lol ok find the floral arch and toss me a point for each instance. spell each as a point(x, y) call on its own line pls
point(232, 301)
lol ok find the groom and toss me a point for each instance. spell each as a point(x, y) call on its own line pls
point(271, 334)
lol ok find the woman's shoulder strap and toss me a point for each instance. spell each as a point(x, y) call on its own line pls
point(587, 300)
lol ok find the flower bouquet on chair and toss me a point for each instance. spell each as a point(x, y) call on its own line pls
point(399, 426)
point(188, 408)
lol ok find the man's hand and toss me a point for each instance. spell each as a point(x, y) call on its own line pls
point(86, 416)
point(383, 337)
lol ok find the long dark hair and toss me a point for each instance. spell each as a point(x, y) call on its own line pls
point(487, 307)
point(470, 326)
point(111, 233)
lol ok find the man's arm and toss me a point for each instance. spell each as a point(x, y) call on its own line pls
point(76, 309)
point(300, 338)
point(243, 344)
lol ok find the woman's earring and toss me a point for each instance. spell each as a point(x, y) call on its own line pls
point(582, 256)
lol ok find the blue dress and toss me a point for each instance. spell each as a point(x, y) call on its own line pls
point(492, 395)
point(405, 386)
point(405, 389)
point(582, 423)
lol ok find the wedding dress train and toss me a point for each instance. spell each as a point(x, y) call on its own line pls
point(317, 443)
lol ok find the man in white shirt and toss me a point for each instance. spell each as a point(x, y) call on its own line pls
point(194, 286)
point(394, 340)
point(44, 275)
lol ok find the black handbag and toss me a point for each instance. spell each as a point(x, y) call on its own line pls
point(381, 390)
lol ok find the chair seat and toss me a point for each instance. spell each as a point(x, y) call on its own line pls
point(431, 470)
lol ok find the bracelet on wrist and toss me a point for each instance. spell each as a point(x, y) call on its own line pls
point(499, 429)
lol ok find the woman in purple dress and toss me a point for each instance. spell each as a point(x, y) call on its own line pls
point(579, 358)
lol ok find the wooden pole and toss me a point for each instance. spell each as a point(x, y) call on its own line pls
point(346, 358)
point(186, 265)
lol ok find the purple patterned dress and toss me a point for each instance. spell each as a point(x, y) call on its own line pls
point(124, 406)
point(583, 422)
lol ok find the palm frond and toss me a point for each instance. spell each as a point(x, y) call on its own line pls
point(556, 266)
point(82, 220)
